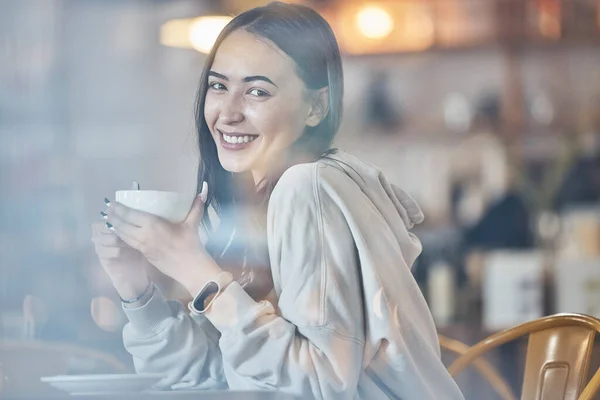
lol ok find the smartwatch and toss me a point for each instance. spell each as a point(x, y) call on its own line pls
point(213, 288)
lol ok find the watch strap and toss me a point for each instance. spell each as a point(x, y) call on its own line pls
point(214, 288)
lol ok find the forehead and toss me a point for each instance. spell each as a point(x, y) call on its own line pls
point(242, 54)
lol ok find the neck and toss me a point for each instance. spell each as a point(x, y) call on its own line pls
point(270, 170)
point(258, 176)
point(277, 168)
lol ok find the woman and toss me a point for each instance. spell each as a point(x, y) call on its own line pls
point(345, 318)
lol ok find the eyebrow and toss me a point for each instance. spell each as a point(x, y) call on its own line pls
point(246, 79)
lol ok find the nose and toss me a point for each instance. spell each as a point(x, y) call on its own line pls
point(232, 110)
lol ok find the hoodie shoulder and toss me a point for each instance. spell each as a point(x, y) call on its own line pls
point(345, 178)
point(307, 185)
point(306, 179)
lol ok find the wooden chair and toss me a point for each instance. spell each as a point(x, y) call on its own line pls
point(558, 356)
point(25, 362)
point(483, 367)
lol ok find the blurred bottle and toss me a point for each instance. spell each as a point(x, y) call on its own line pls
point(542, 109)
point(458, 114)
point(28, 319)
point(35, 316)
point(441, 288)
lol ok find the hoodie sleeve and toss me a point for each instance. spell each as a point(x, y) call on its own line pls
point(313, 346)
point(163, 338)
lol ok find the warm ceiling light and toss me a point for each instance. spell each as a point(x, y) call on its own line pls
point(374, 22)
point(418, 30)
point(197, 33)
point(205, 30)
point(175, 33)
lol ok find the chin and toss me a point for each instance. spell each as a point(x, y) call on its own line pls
point(234, 166)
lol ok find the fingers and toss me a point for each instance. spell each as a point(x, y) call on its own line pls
point(100, 228)
point(130, 241)
point(197, 210)
point(204, 192)
point(129, 215)
point(101, 232)
point(103, 236)
point(130, 225)
point(111, 244)
point(120, 226)
point(111, 240)
point(128, 233)
point(108, 244)
point(113, 253)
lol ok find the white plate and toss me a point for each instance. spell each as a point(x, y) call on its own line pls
point(102, 384)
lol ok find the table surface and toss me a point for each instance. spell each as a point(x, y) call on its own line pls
point(179, 395)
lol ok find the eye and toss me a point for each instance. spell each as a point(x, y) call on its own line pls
point(258, 93)
point(216, 86)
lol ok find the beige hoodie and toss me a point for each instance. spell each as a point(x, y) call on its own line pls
point(349, 321)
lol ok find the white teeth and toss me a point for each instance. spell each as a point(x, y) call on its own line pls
point(238, 139)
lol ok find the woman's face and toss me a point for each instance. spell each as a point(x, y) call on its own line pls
point(256, 104)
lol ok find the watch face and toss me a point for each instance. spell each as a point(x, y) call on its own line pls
point(210, 288)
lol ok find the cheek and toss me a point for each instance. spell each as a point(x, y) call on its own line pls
point(281, 123)
point(210, 111)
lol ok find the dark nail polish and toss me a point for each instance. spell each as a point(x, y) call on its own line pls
point(103, 215)
point(107, 202)
point(110, 226)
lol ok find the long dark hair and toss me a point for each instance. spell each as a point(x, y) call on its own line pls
point(307, 38)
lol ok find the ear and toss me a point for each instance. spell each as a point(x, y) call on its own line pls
point(319, 107)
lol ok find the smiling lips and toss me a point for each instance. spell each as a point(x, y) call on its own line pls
point(236, 141)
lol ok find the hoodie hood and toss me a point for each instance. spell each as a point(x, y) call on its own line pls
point(397, 208)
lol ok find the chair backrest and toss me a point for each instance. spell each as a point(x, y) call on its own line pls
point(483, 368)
point(25, 362)
point(558, 356)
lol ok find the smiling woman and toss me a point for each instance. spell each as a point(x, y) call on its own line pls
point(342, 316)
point(252, 119)
point(286, 97)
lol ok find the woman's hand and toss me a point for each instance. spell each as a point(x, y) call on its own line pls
point(126, 267)
point(174, 249)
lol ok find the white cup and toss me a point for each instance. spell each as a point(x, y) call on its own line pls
point(171, 206)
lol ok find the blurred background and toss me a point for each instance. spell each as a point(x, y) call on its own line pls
point(486, 111)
